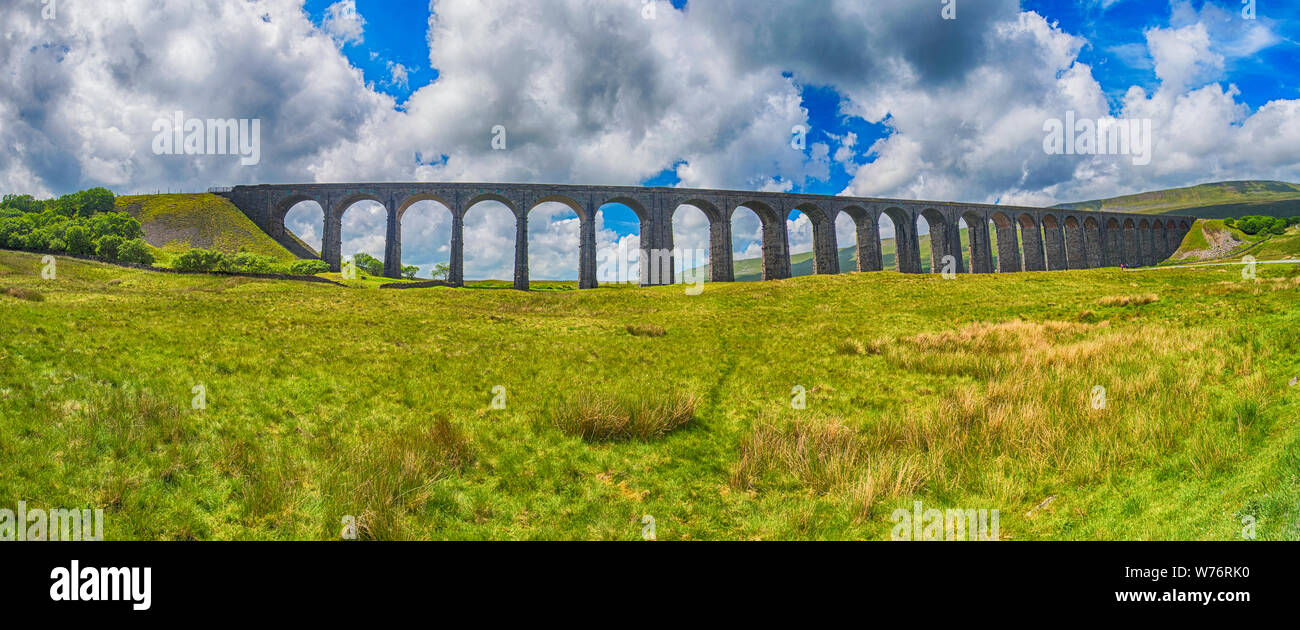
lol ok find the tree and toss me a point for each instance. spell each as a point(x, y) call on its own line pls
point(409, 272)
point(78, 239)
point(116, 223)
point(368, 264)
point(441, 271)
point(108, 246)
point(135, 251)
point(95, 201)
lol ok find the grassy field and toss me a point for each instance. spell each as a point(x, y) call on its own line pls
point(324, 401)
point(176, 223)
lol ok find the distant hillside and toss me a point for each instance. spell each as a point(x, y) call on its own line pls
point(751, 269)
point(175, 223)
point(1207, 201)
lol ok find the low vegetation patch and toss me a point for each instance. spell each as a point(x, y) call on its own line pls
point(1129, 300)
point(602, 418)
point(30, 295)
point(646, 330)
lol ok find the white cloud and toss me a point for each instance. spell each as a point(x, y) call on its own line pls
point(343, 23)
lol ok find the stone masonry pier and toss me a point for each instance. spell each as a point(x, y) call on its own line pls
point(1028, 239)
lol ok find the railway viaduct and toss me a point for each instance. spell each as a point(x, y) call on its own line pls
point(1028, 239)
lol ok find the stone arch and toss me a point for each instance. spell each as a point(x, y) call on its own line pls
point(332, 247)
point(1054, 243)
point(867, 238)
point(776, 256)
point(1113, 243)
point(1031, 239)
point(396, 247)
point(279, 229)
point(520, 272)
point(1160, 248)
point(1076, 256)
point(688, 258)
point(941, 240)
point(825, 253)
point(415, 198)
point(907, 248)
point(1132, 255)
point(981, 249)
point(1008, 243)
point(1093, 250)
point(1146, 244)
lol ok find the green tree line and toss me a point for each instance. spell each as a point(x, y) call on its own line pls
point(82, 223)
point(1253, 225)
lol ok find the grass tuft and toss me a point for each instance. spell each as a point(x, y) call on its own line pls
point(646, 330)
point(30, 295)
point(1128, 300)
point(602, 418)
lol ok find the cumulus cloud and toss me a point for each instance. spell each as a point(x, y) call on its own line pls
point(343, 23)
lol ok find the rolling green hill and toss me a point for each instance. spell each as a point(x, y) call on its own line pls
point(176, 223)
point(1207, 201)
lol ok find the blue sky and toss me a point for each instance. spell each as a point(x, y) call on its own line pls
point(896, 101)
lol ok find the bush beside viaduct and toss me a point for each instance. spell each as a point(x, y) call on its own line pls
point(1028, 239)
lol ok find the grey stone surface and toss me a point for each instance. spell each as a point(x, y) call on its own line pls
point(1051, 238)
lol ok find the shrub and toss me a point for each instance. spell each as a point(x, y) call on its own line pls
point(78, 239)
point(135, 251)
point(108, 246)
point(204, 260)
point(57, 245)
point(247, 262)
point(606, 419)
point(308, 267)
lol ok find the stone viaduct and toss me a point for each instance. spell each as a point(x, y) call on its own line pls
point(1028, 239)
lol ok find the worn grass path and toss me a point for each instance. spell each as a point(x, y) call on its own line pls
point(324, 401)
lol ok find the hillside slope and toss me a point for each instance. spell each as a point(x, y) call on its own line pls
point(1206, 201)
point(175, 223)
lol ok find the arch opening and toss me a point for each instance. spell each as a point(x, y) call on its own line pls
point(302, 221)
point(490, 228)
point(425, 230)
point(694, 242)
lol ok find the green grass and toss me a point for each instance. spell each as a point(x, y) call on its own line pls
point(324, 401)
point(174, 224)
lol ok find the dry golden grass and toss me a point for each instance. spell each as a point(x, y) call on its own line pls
point(24, 294)
point(646, 330)
point(599, 418)
point(1128, 300)
point(1031, 413)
